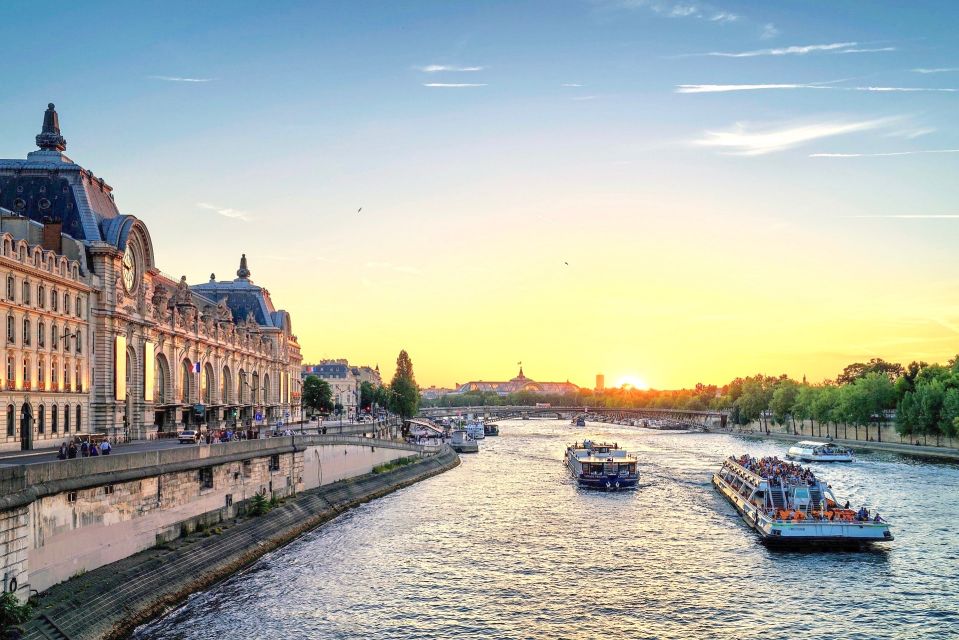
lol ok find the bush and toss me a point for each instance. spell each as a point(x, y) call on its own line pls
point(258, 505)
point(386, 467)
point(12, 613)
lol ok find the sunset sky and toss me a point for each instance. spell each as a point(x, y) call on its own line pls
point(736, 186)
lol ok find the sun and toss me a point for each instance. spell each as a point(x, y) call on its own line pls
point(633, 382)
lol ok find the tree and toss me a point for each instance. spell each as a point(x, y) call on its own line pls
point(824, 407)
point(405, 396)
point(803, 406)
point(784, 398)
point(880, 394)
point(367, 395)
point(316, 395)
point(856, 370)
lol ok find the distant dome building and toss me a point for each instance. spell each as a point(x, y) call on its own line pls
point(518, 384)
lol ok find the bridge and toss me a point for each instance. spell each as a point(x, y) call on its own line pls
point(661, 418)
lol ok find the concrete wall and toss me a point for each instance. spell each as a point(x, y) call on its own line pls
point(62, 518)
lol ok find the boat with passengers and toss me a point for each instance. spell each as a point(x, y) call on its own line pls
point(809, 451)
point(602, 465)
point(787, 504)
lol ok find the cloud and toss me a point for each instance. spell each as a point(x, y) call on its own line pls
point(571, 84)
point(179, 79)
point(935, 70)
point(769, 32)
point(436, 68)
point(581, 98)
point(723, 17)
point(453, 85)
point(881, 155)
point(795, 50)
point(393, 267)
point(912, 134)
point(725, 88)
point(671, 9)
point(750, 141)
point(234, 214)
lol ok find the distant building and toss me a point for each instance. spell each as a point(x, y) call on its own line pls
point(600, 382)
point(344, 380)
point(518, 384)
point(434, 392)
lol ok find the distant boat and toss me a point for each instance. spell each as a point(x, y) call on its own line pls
point(600, 465)
point(810, 451)
point(578, 421)
point(476, 430)
point(461, 442)
point(491, 429)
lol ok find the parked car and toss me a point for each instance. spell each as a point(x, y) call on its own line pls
point(189, 435)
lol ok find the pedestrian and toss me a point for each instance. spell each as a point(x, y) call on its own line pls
point(62, 453)
point(105, 448)
point(94, 450)
point(72, 451)
point(85, 449)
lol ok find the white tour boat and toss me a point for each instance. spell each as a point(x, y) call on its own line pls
point(819, 452)
point(475, 429)
point(461, 442)
point(786, 504)
point(600, 465)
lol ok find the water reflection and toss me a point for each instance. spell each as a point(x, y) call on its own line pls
point(507, 546)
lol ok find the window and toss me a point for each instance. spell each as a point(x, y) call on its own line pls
point(54, 300)
point(108, 490)
point(79, 337)
point(247, 464)
point(41, 334)
point(72, 496)
point(206, 478)
point(11, 375)
point(78, 380)
point(26, 372)
point(11, 289)
point(26, 292)
point(41, 296)
point(66, 339)
point(275, 462)
point(66, 303)
point(53, 373)
point(10, 432)
point(42, 419)
point(11, 332)
point(66, 418)
point(26, 332)
point(41, 371)
point(54, 337)
point(79, 306)
point(77, 418)
point(66, 376)
point(53, 418)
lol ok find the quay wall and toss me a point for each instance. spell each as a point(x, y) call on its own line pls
point(64, 518)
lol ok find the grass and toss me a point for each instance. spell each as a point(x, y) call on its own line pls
point(386, 467)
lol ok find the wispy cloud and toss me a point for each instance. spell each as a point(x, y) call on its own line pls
point(393, 267)
point(935, 70)
point(795, 50)
point(234, 214)
point(679, 9)
point(769, 31)
point(436, 68)
point(723, 16)
point(453, 85)
point(911, 134)
point(571, 84)
point(881, 155)
point(745, 140)
point(179, 79)
point(724, 88)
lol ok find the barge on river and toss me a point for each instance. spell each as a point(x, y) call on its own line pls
point(601, 465)
point(809, 451)
point(788, 505)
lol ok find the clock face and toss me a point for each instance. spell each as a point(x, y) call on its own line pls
point(129, 270)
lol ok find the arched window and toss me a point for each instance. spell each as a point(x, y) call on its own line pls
point(41, 334)
point(26, 292)
point(266, 388)
point(55, 300)
point(77, 418)
point(41, 372)
point(79, 337)
point(54, 337)
point(11, 330)
point(256, 388)
point(11, 373)
point(79, 306)
point(243, 387)
point(10, 431)
point(66, 375)
point(186, 373)
point(66, 417)
point(66, 303)
point(42, 419)
point(11, 289)
point(41, 296)
point(161, 372)
point(54, 374)
point(26, 372)
point(207, 384)
point(66, 339)
point(54, 418)
point(227, 392)
point(26, 332)
point(78, 380)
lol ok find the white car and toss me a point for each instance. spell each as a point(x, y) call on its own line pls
point(189, 435)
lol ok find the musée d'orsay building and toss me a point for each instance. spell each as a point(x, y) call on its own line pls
point(99, 340)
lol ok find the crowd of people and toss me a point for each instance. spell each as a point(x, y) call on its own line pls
point(83, 449)
point(772, 468)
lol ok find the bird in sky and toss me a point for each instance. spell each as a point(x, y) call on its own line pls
point(566, 263)
point(360, 209)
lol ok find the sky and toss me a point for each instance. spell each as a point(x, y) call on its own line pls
point(663, 191)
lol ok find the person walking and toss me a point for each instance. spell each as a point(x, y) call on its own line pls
point(72, 451)
point(94, 450)
point(85, 449)
point(62, 453)
point(105, 448)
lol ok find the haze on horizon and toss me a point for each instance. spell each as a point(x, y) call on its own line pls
point(659, 190)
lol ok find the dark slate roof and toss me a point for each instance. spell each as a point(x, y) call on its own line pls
point(242, 297)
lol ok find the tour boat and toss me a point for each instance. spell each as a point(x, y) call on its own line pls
point(819, 452)
point(578, 421)
point(600, 465)
point(475, 430)
point(461, 442)
point(786, 504)
point(491, 429)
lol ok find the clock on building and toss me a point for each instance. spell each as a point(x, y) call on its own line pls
point(129, 270)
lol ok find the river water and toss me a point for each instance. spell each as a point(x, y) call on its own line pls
point(506, 546)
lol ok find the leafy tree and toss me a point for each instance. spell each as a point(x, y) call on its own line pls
point(316, 396)
point(803, 406)
point(783, 399)
point(367, 395)
point(856, 370)
point(825, 408)
point(405, 396)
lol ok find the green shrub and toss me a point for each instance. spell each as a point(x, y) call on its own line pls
point(258, 505)
point(12, 612)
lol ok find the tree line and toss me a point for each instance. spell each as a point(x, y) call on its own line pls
point(401, 396)
point(862, 398)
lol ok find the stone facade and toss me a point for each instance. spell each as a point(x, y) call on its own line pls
point(162, 354)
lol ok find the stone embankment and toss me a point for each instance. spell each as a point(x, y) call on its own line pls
point(111, 601)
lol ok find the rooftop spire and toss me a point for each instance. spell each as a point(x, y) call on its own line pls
point(243, 273)
point(49, 139)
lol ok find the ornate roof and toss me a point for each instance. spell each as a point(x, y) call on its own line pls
point(245, 299)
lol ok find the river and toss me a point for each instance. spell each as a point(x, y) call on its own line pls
point(506, 546)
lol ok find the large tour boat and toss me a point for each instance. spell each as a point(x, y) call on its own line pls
point(786, 504)
point(819, 452)
point(601, 465)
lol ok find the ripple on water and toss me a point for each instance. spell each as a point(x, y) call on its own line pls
point(506, 546)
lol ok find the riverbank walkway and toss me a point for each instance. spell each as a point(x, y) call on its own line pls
point(894, 447)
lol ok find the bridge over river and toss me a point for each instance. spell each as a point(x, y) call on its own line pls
point(664, 418)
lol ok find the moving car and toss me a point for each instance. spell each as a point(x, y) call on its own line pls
point(189, 435)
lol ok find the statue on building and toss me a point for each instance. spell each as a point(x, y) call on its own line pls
point(223, 312)
point(183, 295)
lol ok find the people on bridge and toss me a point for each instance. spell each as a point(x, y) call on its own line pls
point(85, 449)
point(94, 450)
point(105, 448)
point(72, 451)
point(62, 453)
